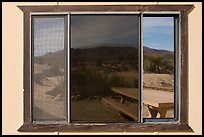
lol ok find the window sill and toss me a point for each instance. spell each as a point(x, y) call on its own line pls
point(178, 127)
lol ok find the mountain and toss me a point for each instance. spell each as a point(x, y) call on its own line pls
point(111, 51)
point(103, 52)
point(51, 58)
point(151, 51)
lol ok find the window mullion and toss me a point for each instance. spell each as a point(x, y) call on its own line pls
point(68, 67)
point(141, 67)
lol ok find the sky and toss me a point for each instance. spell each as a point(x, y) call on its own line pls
point(92, 30)
point(158, 32)
point(48, 35)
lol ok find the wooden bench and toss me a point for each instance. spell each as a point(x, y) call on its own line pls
point(157, 101)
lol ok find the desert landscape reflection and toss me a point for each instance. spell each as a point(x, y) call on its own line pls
point(104, 55)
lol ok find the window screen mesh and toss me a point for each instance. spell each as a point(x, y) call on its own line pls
point(48, 69)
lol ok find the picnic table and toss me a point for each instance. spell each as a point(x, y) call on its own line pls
point(157, 101)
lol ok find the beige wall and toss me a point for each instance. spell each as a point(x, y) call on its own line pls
point(12, 68)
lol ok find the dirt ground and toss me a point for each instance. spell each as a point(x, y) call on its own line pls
point(94, 111)
point(46, 106)
point(163, 82)
point(159, 81)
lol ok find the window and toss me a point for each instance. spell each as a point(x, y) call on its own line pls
point(100, 68)
point(160, 70)
point(48, 68)
point(104, 53)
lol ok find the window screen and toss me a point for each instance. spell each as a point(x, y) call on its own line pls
point(48, 72)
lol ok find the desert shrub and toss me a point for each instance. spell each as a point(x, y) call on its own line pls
point(52, 72)
point(58, 90)
point(114, 80)
point(159, 64)
point(89, 83)
point(39, 60)
point(38, 78)
point(123, 79)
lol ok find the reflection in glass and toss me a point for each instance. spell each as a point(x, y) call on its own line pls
point(48, 69)
point(158, 66)
point(104, 67)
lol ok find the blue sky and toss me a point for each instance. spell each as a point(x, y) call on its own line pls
point(158, 32)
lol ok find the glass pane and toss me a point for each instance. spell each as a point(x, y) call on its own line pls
point(158, 66)
point(104, 68)
point(48, 69)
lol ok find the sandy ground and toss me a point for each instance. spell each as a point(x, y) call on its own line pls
point(39, 68)
point(46, 106)
point(159, 81)
point(163, 82)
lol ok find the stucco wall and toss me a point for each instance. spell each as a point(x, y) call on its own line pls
point(12, 68)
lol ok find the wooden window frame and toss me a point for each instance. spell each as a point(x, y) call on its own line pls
point(180, 126)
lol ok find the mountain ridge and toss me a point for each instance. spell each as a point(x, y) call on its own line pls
point(100, 53)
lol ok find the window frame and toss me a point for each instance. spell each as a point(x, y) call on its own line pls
point(176, 17)
point(65, 64)
point(181, 125)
